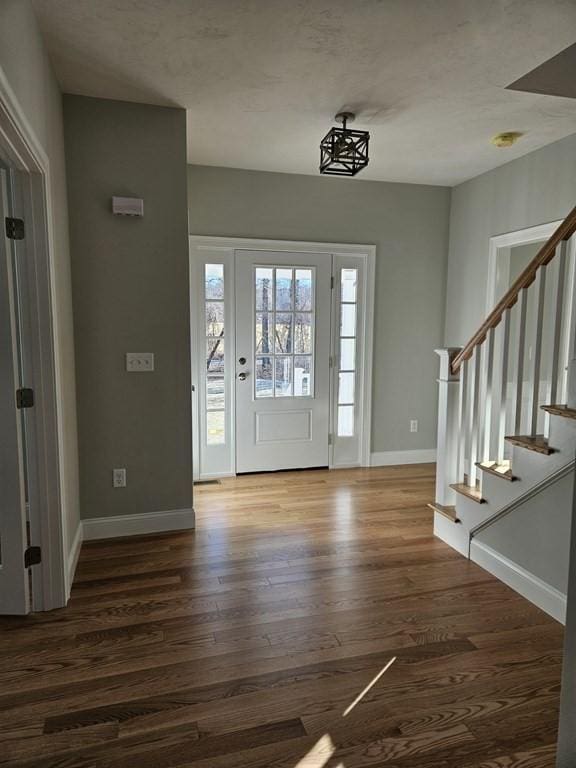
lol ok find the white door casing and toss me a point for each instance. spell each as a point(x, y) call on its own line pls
point(213, 318)
point(283, 334)
point(22, 152)
point(14, 590)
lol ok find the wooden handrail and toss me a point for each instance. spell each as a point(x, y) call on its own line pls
point(544, 256)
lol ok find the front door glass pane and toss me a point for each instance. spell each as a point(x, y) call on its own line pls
point(347, 358)
point(284, 309)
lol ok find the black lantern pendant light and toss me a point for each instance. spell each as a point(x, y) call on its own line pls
point(344, 152)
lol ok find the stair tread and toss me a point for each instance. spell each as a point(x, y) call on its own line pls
point(560, 410)
point(536, 443)
point(467, 490)
point(503, 471)
point(447, 511)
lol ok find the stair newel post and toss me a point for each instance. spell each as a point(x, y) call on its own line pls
point(448, 413)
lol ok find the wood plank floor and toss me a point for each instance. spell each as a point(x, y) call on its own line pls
point(311, 621)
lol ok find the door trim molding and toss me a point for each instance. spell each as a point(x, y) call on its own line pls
point(21, 150)
point(199, 244)
point(535, 234)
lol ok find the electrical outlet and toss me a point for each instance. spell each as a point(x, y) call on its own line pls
point(413, 425)
point(139, 362)
point(119, 478)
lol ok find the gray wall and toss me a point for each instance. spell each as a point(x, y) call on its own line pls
point(566, 731)
point(130, 281)
point(25, 65)
point(409, 225)
point(535, 189)
point(536, 535)
point(520, 257)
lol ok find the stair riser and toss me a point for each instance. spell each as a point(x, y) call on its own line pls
point(530, 468)
point(454, 534)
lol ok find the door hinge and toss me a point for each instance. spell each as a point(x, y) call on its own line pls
point(14, 228)
point(32, 556)
point(332, 282)
point(330, 438)
point(24, 398)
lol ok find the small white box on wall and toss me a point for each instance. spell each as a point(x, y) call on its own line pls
point(142, 362)
point(128, 206)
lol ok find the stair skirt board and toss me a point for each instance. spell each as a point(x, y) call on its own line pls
point(392, 458)
point(138, 524)
point(546, 597)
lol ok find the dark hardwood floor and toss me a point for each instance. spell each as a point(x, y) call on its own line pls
point(311, 621)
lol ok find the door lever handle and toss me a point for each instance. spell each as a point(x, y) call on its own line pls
point(242, 376)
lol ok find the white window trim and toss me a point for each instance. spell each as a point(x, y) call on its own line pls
point(205, 248)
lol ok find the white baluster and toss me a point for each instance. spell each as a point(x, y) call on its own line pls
point(505, 350)
point(571, 339)
point(473, 418)
point(523, 304)
point(488, 395)
point(462, 410)
point(540, 285)
point(560, 258)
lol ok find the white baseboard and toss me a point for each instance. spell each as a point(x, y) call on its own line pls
point(74, 554)
point(390, 458)
point(135, 525)
point(529, 586)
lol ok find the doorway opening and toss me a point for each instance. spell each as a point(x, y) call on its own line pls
point(281, 336)
point(509, 255)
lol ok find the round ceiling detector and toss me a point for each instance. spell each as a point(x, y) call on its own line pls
point(506, 139)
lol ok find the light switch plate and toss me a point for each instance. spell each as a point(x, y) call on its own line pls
point(141, 362)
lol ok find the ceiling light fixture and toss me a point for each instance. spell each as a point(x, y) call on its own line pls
point(506, 139)
point(344, 152)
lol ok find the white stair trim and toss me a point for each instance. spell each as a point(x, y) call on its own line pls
point(138, 524)
point(546, 597)
point(391, 458)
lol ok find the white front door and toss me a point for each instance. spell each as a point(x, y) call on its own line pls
point(14, 594)
point(282, 361)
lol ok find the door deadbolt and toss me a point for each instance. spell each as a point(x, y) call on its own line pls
point(242, 360)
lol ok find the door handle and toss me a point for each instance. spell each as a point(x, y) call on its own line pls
point(242, 376)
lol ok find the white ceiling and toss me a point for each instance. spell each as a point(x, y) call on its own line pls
point(262, 79)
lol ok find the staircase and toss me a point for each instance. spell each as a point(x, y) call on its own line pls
point(507, 400)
